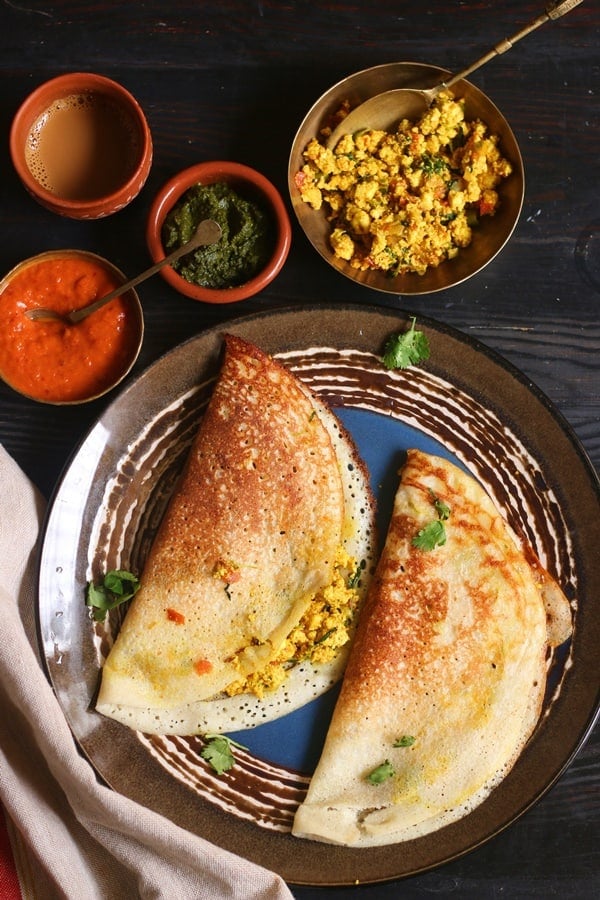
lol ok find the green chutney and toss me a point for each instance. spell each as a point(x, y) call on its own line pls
point(245, 246)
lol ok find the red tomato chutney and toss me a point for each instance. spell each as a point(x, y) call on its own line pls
point(57, 363)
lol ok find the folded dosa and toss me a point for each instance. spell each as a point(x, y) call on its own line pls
point(446, 676)
point(271, 491)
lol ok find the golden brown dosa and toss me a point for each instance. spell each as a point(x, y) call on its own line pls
point(446, 677)
point(271, 490)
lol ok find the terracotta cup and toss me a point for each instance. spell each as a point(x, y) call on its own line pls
point(81, 145)
point(248, 183)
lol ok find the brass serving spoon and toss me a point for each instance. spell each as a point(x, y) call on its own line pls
point(383, 111)
point(207, 232)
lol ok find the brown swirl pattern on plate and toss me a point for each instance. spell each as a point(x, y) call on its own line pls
point(135, 497)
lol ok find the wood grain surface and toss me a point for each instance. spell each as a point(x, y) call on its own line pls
point(226, 79)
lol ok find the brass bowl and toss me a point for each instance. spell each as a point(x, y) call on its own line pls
point(108, 345)
point(493, 231)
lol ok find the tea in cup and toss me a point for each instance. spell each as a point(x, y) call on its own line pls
point(81, 145)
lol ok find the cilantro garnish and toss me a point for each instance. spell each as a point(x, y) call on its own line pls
point(116, 587)
point(432, 535)
point(354, 579)
point(218, 753)
point(386, 770)
point(441, 508)
point(326, 635)
point(381, 773)
point(406, 349)
point(433, 165)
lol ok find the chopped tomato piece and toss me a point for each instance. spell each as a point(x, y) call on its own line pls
point(202, 666)
point(174, 616)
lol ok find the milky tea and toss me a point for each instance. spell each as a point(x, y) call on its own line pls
point(83, 147)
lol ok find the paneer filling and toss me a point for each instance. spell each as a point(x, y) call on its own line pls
point(324, 628)
point(406, 201)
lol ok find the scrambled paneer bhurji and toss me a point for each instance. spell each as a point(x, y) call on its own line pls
point(406, 201)
point(319, 635)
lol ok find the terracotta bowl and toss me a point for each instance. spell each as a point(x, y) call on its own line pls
point(493, 231)
point(95, 124)
point(64, 364)
point(248, 183)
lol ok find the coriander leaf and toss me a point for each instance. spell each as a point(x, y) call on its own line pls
point(406, 740)
point(442, 509)
point(116, 587)
point(381, 773)
point(211, 737)
point(97, 597)
point(218, 753)
point(354, 579)
point(406, 349)
point(433, 165)
point(432, 535)
point(326, 635)
point(121, 582)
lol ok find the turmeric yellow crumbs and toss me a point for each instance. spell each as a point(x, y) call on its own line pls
point(406, 201)
point(321, 632)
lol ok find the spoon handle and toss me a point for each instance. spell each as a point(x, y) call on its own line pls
point(208, 232)
point(553, 11)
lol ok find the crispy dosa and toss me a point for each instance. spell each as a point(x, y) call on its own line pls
point(446, 677)
point(271, 491)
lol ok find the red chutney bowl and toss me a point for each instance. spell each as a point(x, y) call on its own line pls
point(81, 145)
point(56, 363)
point(248, 184)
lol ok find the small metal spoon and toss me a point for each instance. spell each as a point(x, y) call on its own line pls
point(383, 111)
point(207, 232)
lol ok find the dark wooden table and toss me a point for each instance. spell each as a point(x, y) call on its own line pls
point(233, 80)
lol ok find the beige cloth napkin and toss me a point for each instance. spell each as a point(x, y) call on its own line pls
point(73, 837)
